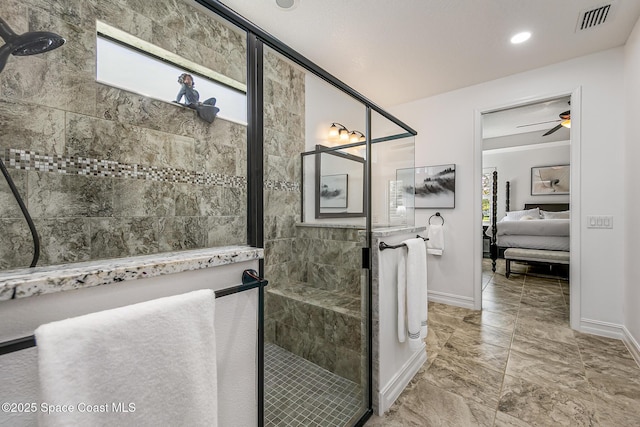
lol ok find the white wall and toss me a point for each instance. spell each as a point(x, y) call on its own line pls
point(632, 154)
point(447, 129)
point(235, 323)
point(395, 364)
point(324, 105)
point(514, 165)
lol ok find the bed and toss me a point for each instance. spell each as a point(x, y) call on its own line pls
point(547, 230)
point(541, 226)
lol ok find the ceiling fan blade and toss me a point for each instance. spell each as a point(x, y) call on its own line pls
point(550, 131)
point(539, 123)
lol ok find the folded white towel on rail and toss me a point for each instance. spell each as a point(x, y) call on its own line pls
point(412, 293)
point(146, 364)
point(435, 244)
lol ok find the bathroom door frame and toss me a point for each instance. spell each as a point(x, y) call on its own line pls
point(574, 198)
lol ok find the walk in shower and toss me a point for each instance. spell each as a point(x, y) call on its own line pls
point(317, 223)
point(110, 164)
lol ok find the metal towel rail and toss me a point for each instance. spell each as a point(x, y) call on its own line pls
point(250, 280)
point(382, 246)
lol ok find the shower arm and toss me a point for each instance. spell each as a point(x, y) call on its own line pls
point(25, 212)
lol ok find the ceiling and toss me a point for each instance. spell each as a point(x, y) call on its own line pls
point(535, 119)
point(396, 51)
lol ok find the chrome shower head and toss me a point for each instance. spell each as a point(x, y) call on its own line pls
point(26, 44)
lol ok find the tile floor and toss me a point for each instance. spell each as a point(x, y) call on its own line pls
point(517, 363)
point(300, 393)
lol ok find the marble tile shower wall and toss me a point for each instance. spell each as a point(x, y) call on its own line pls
point(284, 140)
point(106, 172)
point(329, 258)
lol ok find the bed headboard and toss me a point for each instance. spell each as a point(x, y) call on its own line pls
point(549, 207)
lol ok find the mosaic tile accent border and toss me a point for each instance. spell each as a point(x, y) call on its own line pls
point(282, 186)
point(31, 160)
point(300, 393)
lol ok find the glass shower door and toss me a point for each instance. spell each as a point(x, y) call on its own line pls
point(316, 305)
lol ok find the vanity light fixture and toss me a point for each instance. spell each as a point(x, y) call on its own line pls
point(356, 136)
point(334, 130)
point(340, 131)
point(566, 123)
point(521, 37)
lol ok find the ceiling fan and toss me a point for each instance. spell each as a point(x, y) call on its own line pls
point(565, 121)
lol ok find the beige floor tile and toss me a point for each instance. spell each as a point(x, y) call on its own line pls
point(449, 310)
point(468, 379)
point(500, 307)
point(555, 376)
point(504, 420)
point(428, 405)
point(544, 406)
point(466, 348)
point(548, 349)
point(544, 301)
point(570, 378)
point(437, 336)
point(488, 334)
point(488, 318)
point(555, 317)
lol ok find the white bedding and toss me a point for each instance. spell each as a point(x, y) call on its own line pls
point(549, 234)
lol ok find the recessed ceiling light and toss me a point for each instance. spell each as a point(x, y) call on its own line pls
point(521, 37)
point(287, 4)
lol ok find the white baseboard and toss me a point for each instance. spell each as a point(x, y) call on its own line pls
point(632, 344)
point(400, 380)
point(603, 329)
point(451, 299)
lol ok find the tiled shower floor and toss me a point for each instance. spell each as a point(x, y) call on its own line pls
point(300, 393)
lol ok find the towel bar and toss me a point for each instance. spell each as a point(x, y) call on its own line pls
point(382, 246)
point(250, 280)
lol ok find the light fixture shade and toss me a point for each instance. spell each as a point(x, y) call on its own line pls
point(344, 134)
point(353, 136)
point(566, 123)
point(333, 131)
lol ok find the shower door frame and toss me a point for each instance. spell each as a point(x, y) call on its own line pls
point(256, 40)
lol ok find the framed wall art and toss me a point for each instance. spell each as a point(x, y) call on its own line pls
point(434, 187)
point(550, 180)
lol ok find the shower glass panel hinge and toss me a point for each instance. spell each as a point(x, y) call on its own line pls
point(366, 258)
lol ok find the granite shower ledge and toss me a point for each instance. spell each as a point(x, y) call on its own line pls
point(391, 231)
point(59, 278)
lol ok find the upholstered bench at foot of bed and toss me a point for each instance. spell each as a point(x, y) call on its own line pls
point(534, 255)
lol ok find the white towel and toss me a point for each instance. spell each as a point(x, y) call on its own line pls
point(435, 244)
point(412, 294)
point(156, 360)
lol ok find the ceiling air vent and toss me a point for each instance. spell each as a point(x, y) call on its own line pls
point(594, 17)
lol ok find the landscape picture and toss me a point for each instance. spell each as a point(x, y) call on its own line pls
point(333, 191)
point(435, 186)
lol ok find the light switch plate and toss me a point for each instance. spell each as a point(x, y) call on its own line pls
point(599, 221)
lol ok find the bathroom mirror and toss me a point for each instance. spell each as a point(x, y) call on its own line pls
point(339, 184)
point(136, 65)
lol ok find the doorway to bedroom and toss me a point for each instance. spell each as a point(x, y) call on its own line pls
point(526, 164)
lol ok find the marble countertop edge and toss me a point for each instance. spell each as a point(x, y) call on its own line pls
point(382, 232)
point(58, 278)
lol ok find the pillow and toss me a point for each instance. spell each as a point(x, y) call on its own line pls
point(555, 215)
point(527, 218)
point(516, 215)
